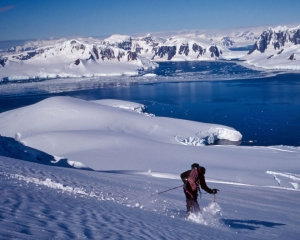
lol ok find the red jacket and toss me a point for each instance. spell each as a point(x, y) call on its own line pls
point(200, 181)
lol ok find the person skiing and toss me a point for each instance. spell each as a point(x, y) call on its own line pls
point(192, 179)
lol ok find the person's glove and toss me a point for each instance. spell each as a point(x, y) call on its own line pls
point(215, 191)
point(184, 181)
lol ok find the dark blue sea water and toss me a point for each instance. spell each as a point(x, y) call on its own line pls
point(265, 110)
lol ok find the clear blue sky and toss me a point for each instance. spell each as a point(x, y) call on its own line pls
point(25, 19)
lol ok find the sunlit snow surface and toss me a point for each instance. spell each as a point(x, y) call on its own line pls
point(136, 156)
point(43, 202)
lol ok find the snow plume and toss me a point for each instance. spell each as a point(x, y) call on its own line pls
point(210, 216)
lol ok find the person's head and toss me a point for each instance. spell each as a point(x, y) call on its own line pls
point(202, 170)
point(195, 165)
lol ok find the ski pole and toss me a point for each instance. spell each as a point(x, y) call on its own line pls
point(167, 190)
point(215, 192)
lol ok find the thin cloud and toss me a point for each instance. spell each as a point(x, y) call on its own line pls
point(6, 8)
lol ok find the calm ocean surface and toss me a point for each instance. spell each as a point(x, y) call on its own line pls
point(265, 110)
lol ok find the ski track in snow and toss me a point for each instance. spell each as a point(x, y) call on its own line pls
point(46, 202)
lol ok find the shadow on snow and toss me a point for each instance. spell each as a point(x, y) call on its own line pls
point(249, 224)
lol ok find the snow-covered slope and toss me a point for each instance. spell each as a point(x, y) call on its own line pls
point(137, 156)
point(67, 127)
point(103, 135)
point(277, 48)
point(44, 202)
point(72, 59)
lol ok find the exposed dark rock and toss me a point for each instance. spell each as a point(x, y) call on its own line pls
point(262, 43)
point(126, 45)
point(77, 62)
point(184, 49)
point(292, 57)
point(295, 37)
point(276, 45)
point(131, 56)
point(107, 53)
point(78, 47)
point(280, 51)
point(3, 61)
point(214, 51)
point(95, 51)
point(253, 49)
point(120, 55)
point(270, 56)
point(91, 57)
point(26, 56)
point(199, 49)
point(163, 50)
point(276, 39)
point(138, 49)
point(279, 39)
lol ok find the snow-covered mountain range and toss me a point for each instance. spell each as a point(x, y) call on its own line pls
point(276, 48)
point(116, 55)
point(72, 58)
point(177, 48)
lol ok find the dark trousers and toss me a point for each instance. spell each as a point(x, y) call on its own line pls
point(191, 201)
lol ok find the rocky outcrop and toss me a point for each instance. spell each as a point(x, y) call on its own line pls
point(294, 36)
point(197, 48)
point(280, 51)
point(3, 61)
point(77, 62)
point(161, 51)
point(165, 49)
point(184, 49)
point(95, 51)
point(107, 53)
point(214, 51)
point(292, 57)
point(138, 49)
point(131, 56)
